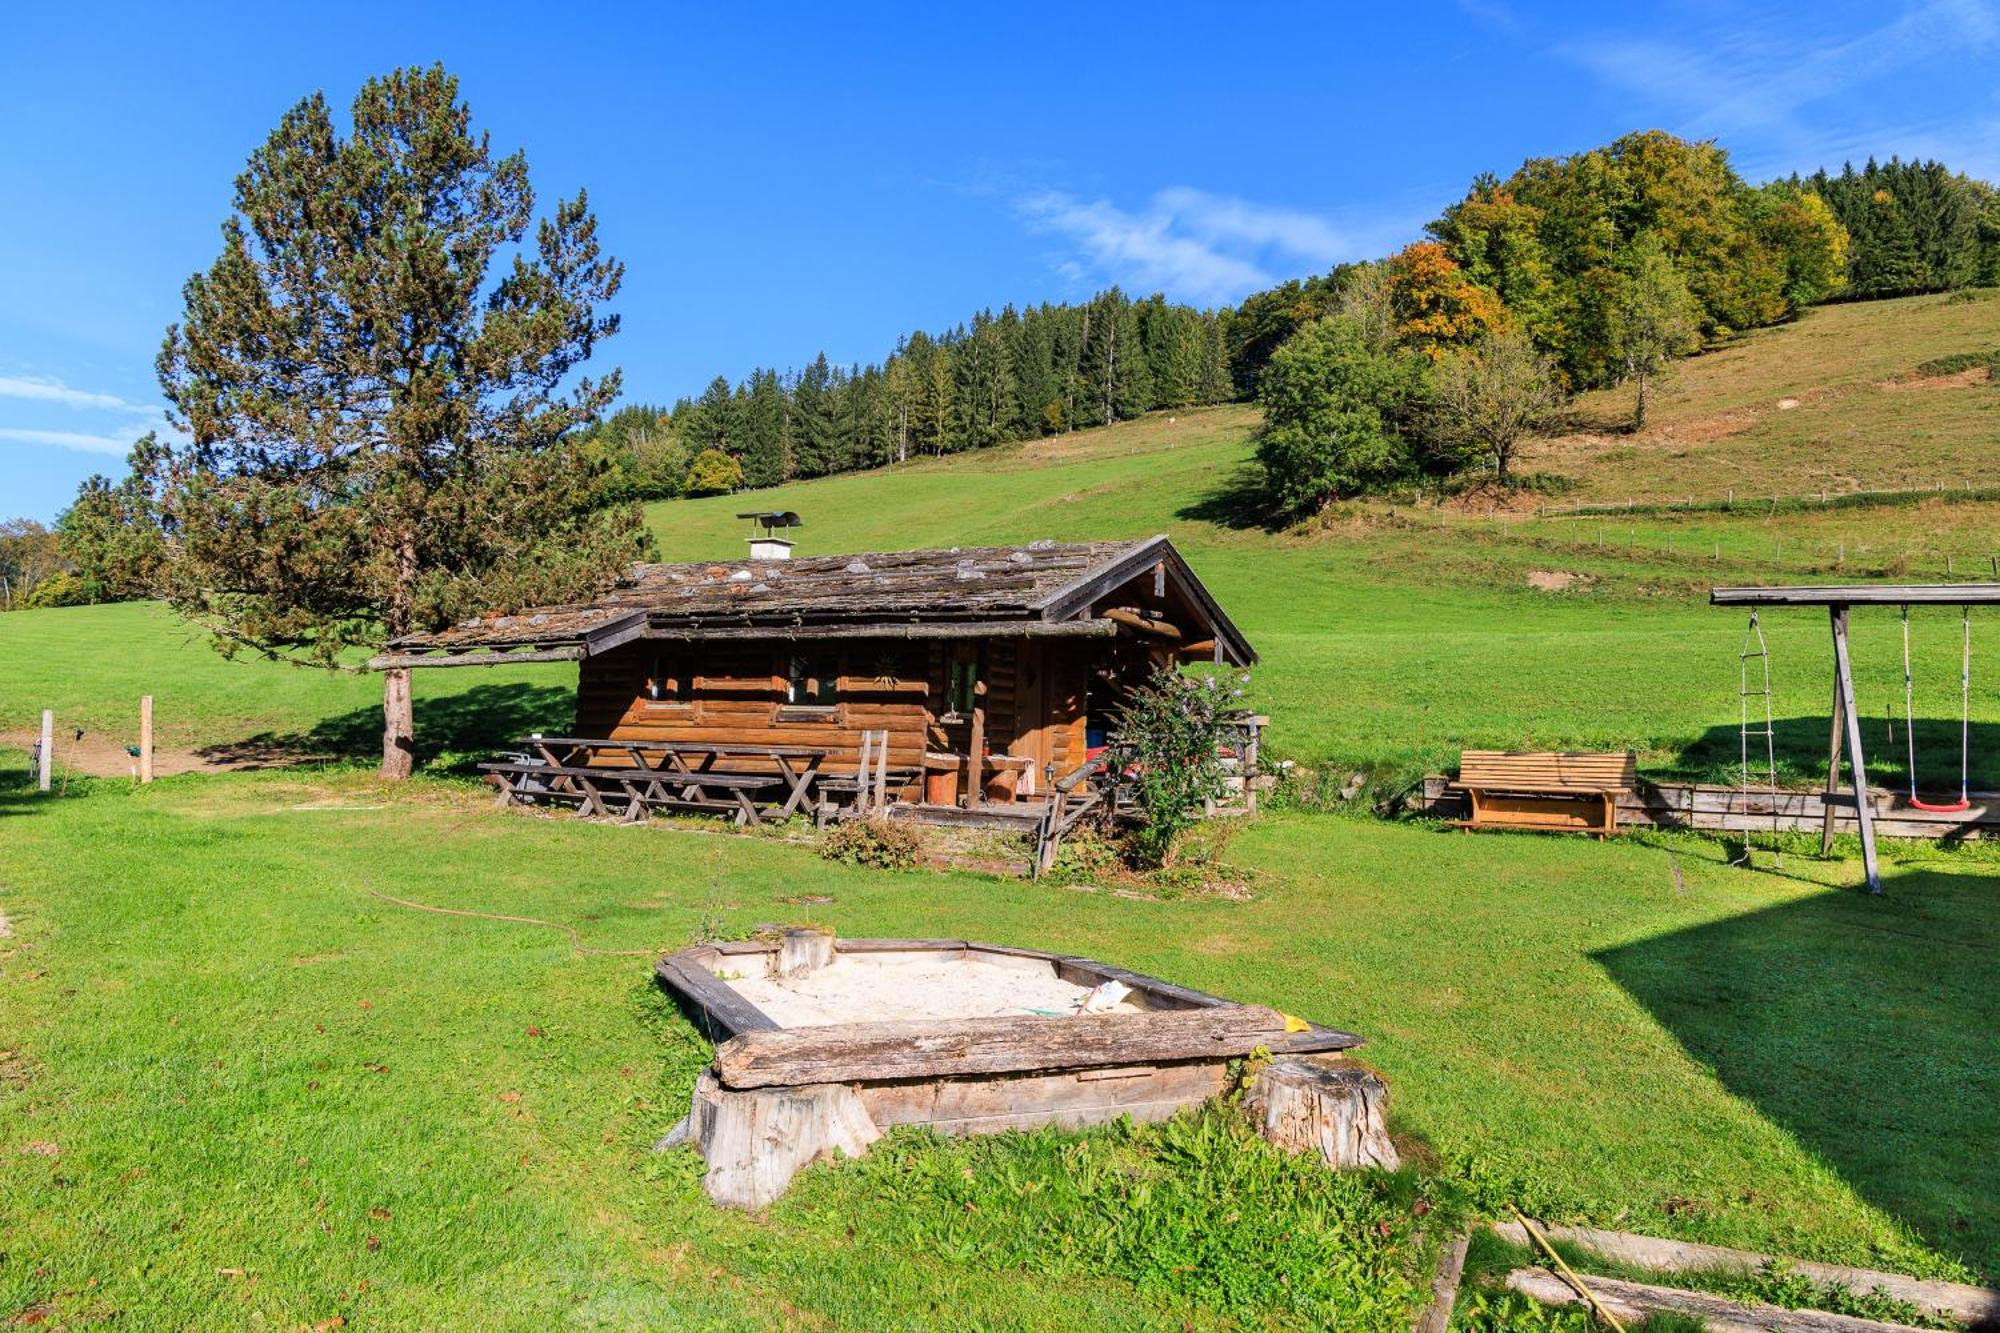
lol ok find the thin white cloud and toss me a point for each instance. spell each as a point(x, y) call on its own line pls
point(1189, 243)
point(69, 439)
point(1779, 81)
point(39, 390)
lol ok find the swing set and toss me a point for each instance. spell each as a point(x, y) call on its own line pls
point(1838, 599)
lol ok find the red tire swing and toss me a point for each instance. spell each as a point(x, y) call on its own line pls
point(1964, 801)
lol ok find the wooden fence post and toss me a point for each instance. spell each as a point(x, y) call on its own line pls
point(145, 738)
point(45, 758)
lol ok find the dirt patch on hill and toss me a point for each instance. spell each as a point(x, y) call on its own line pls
point(1492, 498)
point(1933, 383)
point(1706, 430)
point(1560, 580)
point(106, 757)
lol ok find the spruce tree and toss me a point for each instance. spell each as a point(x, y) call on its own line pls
point(762, 414)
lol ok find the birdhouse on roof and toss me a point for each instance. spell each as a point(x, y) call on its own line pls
point(765, 524)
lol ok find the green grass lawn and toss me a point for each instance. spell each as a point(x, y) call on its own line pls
point(224, 1055)
point(227, 1068)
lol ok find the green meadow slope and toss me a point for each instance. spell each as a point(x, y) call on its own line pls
point(1391, 636)
point(236, 1088)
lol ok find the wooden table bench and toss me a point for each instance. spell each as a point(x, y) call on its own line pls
point(1552, 790)
point(659, 774)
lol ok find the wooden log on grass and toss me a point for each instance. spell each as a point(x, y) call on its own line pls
point(1336, 1110)
point(1979, 1306)
point(922, 1048)
point(1632, 1302)
point(754, 1142)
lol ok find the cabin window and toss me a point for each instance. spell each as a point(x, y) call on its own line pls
point(668, 680)
point(963, 688)
point(811, 682)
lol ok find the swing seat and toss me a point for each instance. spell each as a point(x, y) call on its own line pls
point(1940, 807)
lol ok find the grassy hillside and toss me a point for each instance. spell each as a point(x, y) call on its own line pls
point(1859, 417)
point(236, 1088)
point(1391, 637)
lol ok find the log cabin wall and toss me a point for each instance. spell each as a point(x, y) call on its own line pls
point(737, 694)
point(1034, 698)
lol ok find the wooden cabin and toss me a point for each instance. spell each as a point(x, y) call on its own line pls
point(990, 672)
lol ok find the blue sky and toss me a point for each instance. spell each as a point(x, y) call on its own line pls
point(798, 178)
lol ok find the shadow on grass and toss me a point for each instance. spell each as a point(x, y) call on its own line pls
point(1864, 1027)
point(1240, 503)
point(18, 795)
point(1800, 746)
point(458, 729)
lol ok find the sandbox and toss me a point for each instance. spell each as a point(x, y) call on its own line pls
point(824, 1043)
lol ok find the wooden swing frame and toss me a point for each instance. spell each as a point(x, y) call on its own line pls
point(1838, 599)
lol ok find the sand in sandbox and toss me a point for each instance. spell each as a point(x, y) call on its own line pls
point(869, 988)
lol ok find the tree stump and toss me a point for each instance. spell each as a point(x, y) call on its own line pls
point(755, 1141)
point(1336, 1110)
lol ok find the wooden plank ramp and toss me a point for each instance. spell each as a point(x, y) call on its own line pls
point(1978, 1306)
point(1632, 1302)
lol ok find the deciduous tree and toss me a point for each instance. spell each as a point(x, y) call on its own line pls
point(1334, 410)
point(1653, 319)
point(1487, 399)
point(1436, 306)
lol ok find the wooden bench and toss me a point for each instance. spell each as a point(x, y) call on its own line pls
point(1558, 791)
point(597, 790)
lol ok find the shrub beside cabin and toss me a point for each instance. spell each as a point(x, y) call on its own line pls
point(980, 677)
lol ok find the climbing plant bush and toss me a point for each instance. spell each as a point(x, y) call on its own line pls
point(1170, 737)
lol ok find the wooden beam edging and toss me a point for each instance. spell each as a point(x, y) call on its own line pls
point(710, 1003)
point(722, 1013)
point(924, 1048)
point(1634, 1301)
point(1977, 1305)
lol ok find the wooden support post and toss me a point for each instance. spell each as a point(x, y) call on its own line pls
point(975, 759)
point(145, 738)
point(882, 769)
point(756, 1141)
point(861, 775)
point(45, 756)
point(802, 951)
point(1863, 814)
point(1834, 747)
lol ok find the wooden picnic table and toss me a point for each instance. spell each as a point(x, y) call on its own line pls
point(691, 767)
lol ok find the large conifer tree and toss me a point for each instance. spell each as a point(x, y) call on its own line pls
point(383, 428)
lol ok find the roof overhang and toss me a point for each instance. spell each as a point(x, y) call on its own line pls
point(1066, 612)
point(1076, 596)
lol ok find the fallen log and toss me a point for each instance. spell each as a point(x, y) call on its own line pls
point(1978, 1306)
point(920, 1048)
point(1634, 1301)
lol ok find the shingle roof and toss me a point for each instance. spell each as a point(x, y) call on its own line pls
point(982, 583)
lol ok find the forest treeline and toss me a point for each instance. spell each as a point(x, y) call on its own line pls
point(1549, 251)
point(1571, 273)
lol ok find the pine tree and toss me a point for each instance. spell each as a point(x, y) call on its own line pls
point(711, 423)
point(368, 375)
